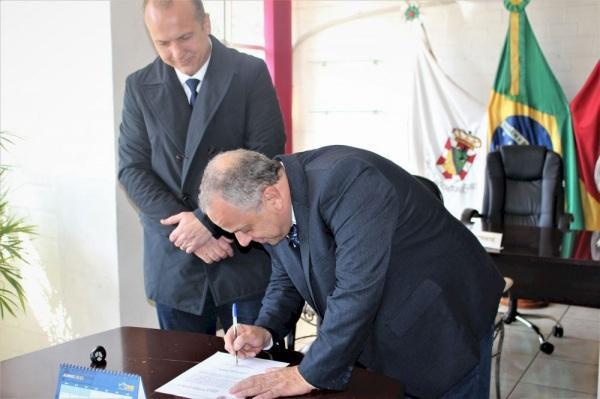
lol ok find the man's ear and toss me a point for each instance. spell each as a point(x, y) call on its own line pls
point(206, 26)
point(272, 198)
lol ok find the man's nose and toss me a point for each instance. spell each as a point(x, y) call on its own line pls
point(243, 238)
point(177, 52)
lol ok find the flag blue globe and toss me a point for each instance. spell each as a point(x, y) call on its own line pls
point(520, 130)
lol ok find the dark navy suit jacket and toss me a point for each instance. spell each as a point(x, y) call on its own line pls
point(401, 285)
point(163, 150)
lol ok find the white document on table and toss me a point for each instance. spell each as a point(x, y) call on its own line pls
point(212, 378)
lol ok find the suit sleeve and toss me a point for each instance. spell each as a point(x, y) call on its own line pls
point(281, 305)
point(144, 187)
point(360, 208)
point(264, 124)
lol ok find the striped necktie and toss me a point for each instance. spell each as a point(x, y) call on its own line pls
point(193, 84)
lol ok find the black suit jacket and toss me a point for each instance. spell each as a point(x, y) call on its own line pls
point(163, 150)
point(401, 285)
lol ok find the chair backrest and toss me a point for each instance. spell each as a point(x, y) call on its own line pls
point(524, 186)
point(431, 186)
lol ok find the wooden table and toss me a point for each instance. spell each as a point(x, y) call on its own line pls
point(156, 355)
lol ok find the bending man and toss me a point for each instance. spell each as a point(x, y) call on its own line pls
point(402, 287)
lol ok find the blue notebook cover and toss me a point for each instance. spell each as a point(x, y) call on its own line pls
point(84, 382)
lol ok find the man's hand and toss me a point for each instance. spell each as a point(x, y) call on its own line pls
point(215, 250)
point(285, 381)
point(190, 234)
point(250, 340)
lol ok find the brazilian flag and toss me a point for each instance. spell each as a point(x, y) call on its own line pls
point(528, 106)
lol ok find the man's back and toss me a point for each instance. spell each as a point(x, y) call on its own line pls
point(380, 245)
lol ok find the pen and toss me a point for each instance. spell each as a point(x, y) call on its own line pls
point(234, 317)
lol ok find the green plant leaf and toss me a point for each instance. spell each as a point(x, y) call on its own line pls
point(12, 230)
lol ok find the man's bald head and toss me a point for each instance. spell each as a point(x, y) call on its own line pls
point(199, 7)
point(239, 177)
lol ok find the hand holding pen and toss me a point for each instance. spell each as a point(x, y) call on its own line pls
point(246, 340)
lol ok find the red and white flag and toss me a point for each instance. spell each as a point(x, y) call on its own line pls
point(585, 111)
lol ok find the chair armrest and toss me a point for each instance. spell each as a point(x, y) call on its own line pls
point(469, 214)
point(564, 221)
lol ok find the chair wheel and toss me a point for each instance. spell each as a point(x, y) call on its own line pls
point(547, 348)
point(558, 331)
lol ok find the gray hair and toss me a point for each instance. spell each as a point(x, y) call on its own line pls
point(200, 13)
point(239, 177)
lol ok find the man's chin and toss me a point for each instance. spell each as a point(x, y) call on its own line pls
point(188, 71)
point(187, 67)
point(274, 241)
point(267, 241)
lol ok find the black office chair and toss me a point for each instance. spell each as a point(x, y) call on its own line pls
point(524, 186)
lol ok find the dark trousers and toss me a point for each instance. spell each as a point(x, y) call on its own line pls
point(172, 319)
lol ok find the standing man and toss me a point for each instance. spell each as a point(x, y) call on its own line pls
point(402, 287)
point(196, 99)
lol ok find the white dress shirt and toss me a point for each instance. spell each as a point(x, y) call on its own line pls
point(198, 75)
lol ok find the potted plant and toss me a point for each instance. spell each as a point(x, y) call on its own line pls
point(12, 232)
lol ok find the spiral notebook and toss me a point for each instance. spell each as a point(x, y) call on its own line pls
point(84, 382)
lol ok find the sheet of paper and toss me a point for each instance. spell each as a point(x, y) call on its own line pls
point(212, 378)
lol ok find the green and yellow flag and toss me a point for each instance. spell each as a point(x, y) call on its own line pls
point(528, 106)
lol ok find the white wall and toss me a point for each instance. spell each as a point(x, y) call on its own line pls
point(350, 78)
point(56, 96)
point(352, 61)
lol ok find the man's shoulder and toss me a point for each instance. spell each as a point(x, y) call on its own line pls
point(332, 165)
point(242, 62)
point(246, 59)
point(334, 157)
point(149, 73)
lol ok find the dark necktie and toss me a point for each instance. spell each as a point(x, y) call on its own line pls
point(293, 236)
point(193, 84)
